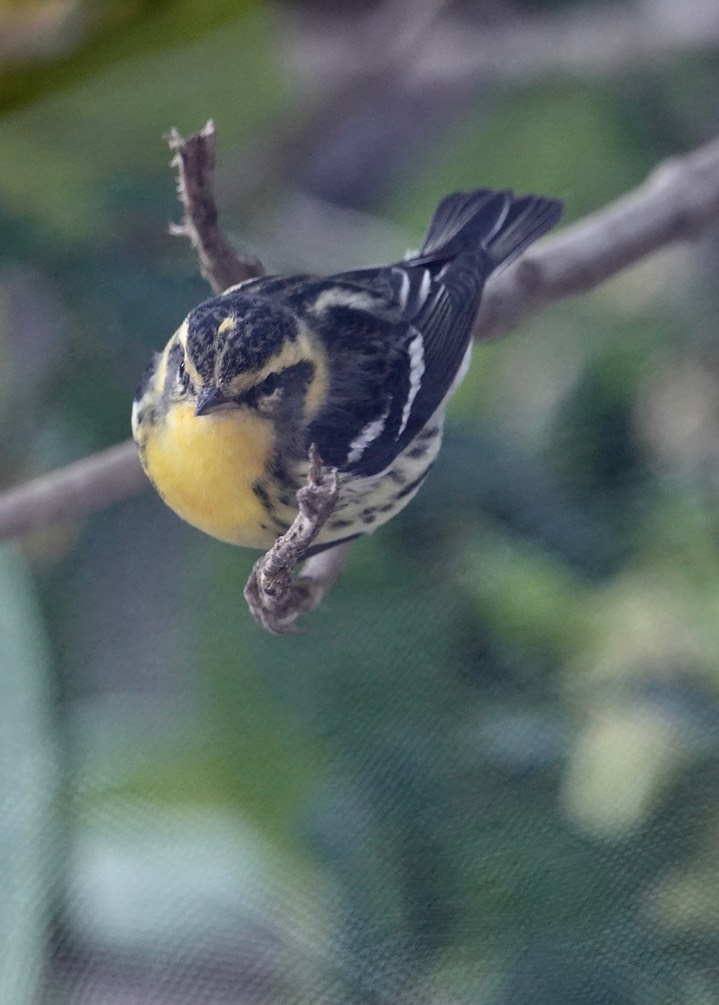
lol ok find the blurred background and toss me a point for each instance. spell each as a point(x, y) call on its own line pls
point(488, 771)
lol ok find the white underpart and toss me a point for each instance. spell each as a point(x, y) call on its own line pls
point(415, 351)
point(365, 436)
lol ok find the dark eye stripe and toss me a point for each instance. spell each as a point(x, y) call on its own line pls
point(270, 384)
point(298, 375)
point(292, 378)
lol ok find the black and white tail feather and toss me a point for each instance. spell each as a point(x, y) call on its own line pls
point(432, 299)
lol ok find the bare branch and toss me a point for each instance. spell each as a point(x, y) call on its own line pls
point(679, 201)
point(274, 598)
point(74, 491)
point(582, 40)
point(219, 263)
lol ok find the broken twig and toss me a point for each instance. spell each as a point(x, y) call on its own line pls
point(194, 159)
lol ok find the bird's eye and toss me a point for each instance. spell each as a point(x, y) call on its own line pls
point(269, 385)
point(183, 376)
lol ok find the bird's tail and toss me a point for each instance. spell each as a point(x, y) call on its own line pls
point(498, 223)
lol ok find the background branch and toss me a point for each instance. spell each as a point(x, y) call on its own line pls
point(582, 40)
point(432, 42)
point(68, 493)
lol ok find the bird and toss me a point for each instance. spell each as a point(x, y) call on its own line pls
point(356, 367)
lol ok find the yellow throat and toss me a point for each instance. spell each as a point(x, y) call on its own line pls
point(204, 467)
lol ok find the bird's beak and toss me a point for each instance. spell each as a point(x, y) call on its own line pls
point(210, 399)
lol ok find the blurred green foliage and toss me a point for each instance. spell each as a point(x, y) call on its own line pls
point(105, 32)
point(487, 772)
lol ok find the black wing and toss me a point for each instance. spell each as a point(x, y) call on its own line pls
point(417, 344)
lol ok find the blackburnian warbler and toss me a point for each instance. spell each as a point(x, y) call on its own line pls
point(360, 364)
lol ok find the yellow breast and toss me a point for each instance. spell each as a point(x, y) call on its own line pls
point(204, 468)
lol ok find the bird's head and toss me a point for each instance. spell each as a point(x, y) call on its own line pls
point(236, 353)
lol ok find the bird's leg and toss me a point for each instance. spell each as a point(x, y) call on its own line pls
point(274, 596)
